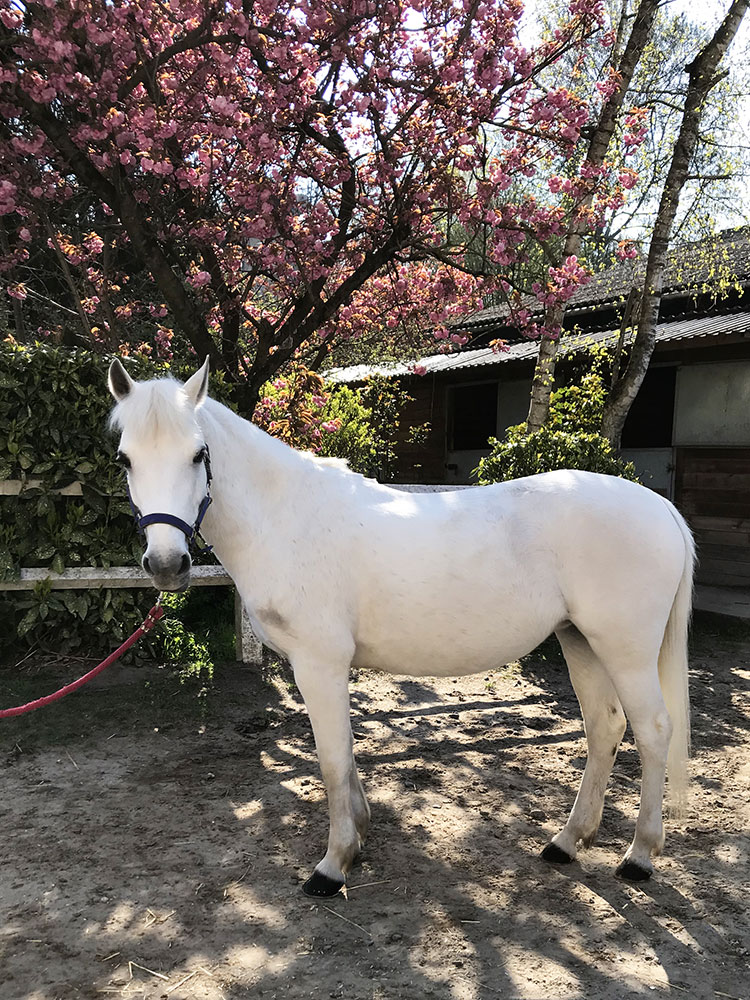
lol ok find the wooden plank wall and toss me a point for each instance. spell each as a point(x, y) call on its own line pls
point(712, 490)
point(423, 462)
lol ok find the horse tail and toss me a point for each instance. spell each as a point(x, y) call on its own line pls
point(673, 674)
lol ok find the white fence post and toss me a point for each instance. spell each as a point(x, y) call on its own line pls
point(248, 647)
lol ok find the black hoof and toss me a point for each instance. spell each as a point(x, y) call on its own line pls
point(556, 855)
point(632, 872)
point(321, 886)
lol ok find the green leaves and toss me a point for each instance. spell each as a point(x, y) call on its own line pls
point(77, 603)
point(53, 412)
point(368, 421)
point(28, 621)
point(522, 454)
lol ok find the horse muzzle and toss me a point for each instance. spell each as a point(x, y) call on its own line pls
point(169, 572)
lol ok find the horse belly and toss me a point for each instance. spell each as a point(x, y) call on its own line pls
point(453, 595)
point(430, 645)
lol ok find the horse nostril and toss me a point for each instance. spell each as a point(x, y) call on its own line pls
point(173, 566)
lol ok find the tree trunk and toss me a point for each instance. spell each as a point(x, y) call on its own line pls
point(702, 77)
point(544, 374)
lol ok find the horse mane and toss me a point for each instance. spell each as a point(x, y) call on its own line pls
point(159, 407)
point(335, 463)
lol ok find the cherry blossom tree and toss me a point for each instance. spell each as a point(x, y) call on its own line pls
point(261, 179)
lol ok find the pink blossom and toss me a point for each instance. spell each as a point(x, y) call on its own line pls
point(229, 146)
point(199, 279)
point(8, 192)
point(94, 243)
point(11, 17)
point(626, 250)
point(163, 341)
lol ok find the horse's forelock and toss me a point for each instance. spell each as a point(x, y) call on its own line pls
point(158, 408)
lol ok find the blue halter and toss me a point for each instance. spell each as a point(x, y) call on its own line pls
point(191, 532)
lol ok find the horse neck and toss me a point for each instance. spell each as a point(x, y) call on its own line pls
point(252, 473)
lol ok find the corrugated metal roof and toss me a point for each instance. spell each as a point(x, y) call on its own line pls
point(725, 256)
point(684, 329)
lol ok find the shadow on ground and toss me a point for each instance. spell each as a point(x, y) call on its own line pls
point(154, 845)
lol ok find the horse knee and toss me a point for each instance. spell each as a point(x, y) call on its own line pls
point(617, 721)
point(605, 730)
point(610, 722)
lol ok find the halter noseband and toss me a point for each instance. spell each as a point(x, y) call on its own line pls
point(191, 532)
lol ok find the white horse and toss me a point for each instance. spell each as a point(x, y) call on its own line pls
point(336, 570)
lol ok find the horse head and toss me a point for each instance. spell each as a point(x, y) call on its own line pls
point(165, 456)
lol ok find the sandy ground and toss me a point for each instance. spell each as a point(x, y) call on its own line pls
point(153, 850)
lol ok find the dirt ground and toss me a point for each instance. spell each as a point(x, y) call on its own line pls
point(153, 845)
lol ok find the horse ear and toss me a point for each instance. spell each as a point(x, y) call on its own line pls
point(196, 387)
point(120, 383)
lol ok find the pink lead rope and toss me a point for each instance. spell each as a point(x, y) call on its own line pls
point(150, 620)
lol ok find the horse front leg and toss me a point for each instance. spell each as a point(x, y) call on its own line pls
point(325, 689)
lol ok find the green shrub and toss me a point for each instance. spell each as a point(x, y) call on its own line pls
point(522, 454)
point(383, 400)
point(360, 425)
point(579, 406)
point(354, 439)
point(570, 439)
point(206, 612)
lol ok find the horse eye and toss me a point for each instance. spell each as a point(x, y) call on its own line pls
point(122, 459)
point(199, 456)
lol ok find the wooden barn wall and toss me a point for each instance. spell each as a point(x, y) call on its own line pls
point(426, 462)
point(712, 490)
point(422, 462)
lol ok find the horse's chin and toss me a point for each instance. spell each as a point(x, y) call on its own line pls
point(171, 584)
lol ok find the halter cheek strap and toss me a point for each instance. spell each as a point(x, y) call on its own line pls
point(191, 532)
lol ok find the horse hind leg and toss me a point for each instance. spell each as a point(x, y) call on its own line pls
point(634, 671)
point(604, 724)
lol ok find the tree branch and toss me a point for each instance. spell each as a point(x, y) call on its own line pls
point(703, 77)
point(120, 198)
